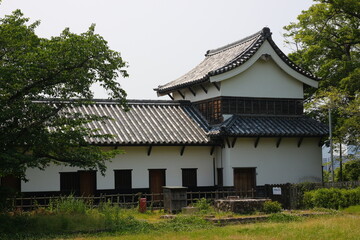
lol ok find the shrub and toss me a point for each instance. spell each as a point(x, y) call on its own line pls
point(332, 198)
point(301, 188)
point(272, 207)
point(204, 205)
point(353, 209)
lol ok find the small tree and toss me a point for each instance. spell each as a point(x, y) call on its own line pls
point(326, 40)
point(351, 171)
point(34, 72)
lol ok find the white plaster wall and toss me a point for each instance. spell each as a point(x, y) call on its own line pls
point(135, 158)
point(285, 164)
point(47, 180)
point(268, 50)
point(161, 158)
point(263, 79)
point(212, 92)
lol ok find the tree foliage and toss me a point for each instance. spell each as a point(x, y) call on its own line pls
point(36, 128)
point(326, 38)
point(351, 170)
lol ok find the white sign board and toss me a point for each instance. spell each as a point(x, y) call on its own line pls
point(276, 190)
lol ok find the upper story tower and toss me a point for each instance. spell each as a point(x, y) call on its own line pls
point(250, 76)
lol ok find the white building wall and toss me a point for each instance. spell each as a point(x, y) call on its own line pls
point(263, 79)
point(44, 180)
point(135, 158)
point(285, 164)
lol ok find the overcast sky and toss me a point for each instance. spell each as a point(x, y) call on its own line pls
point(161, 39)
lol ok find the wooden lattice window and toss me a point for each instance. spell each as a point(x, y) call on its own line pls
point(123, 179)
point(69, 182)
point(189, 178)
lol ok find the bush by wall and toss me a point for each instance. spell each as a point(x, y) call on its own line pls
point(332, 198)
point(272, 207)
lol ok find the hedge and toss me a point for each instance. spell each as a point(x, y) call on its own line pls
point(333, 198)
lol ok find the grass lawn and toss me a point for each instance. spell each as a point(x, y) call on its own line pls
point(70, 219)
point(339, 226)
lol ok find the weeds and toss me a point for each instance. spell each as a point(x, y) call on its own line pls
point(68, 205)
point(203, 205)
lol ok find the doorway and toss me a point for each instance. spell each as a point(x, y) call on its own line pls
point(156, 182)
point(87, 183)
point(245, 181)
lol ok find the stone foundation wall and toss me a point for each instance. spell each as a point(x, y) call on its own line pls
point(242, 206)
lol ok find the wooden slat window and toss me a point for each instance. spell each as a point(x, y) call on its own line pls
point(213, 109)
point(292, 109)
point(271, 107)
point(220, 177)
point(123, 179)
point(189, 177)
point(69, 182)
point(248, 107)
point(299, 107)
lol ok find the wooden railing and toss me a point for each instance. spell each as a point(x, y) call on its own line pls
point(153, 200)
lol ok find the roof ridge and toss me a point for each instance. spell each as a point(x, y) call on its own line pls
point(265, 32)
point(231, 45)
point(157, 102)
point(114, 101)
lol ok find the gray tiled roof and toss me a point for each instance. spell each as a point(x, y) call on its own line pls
point(152, 122)
point(224, 59)
point(147, 123)
point(270, 126)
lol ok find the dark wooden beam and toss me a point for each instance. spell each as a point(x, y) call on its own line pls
point(256, 142)
point(181, 94)
point(149, 150)
point(203, 88)
point(172, 98)
point(182, 150)
point(300, 141)
point(217, 86)
point(227, 142)
point(233, 142)
point(321, 142)
point(278, 142)
point(192, 91)
point(212, 150)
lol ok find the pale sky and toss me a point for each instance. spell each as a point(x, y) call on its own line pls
point(161, 39)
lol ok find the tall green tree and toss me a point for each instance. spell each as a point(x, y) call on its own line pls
point(36, 128)
point(326, 41)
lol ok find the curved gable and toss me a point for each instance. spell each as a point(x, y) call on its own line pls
point(234, 58)
point(266, 53)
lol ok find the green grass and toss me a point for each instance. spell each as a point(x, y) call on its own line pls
point(330, 227)
point(74, 221)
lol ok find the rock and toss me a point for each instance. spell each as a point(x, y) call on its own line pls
point(189, 210)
